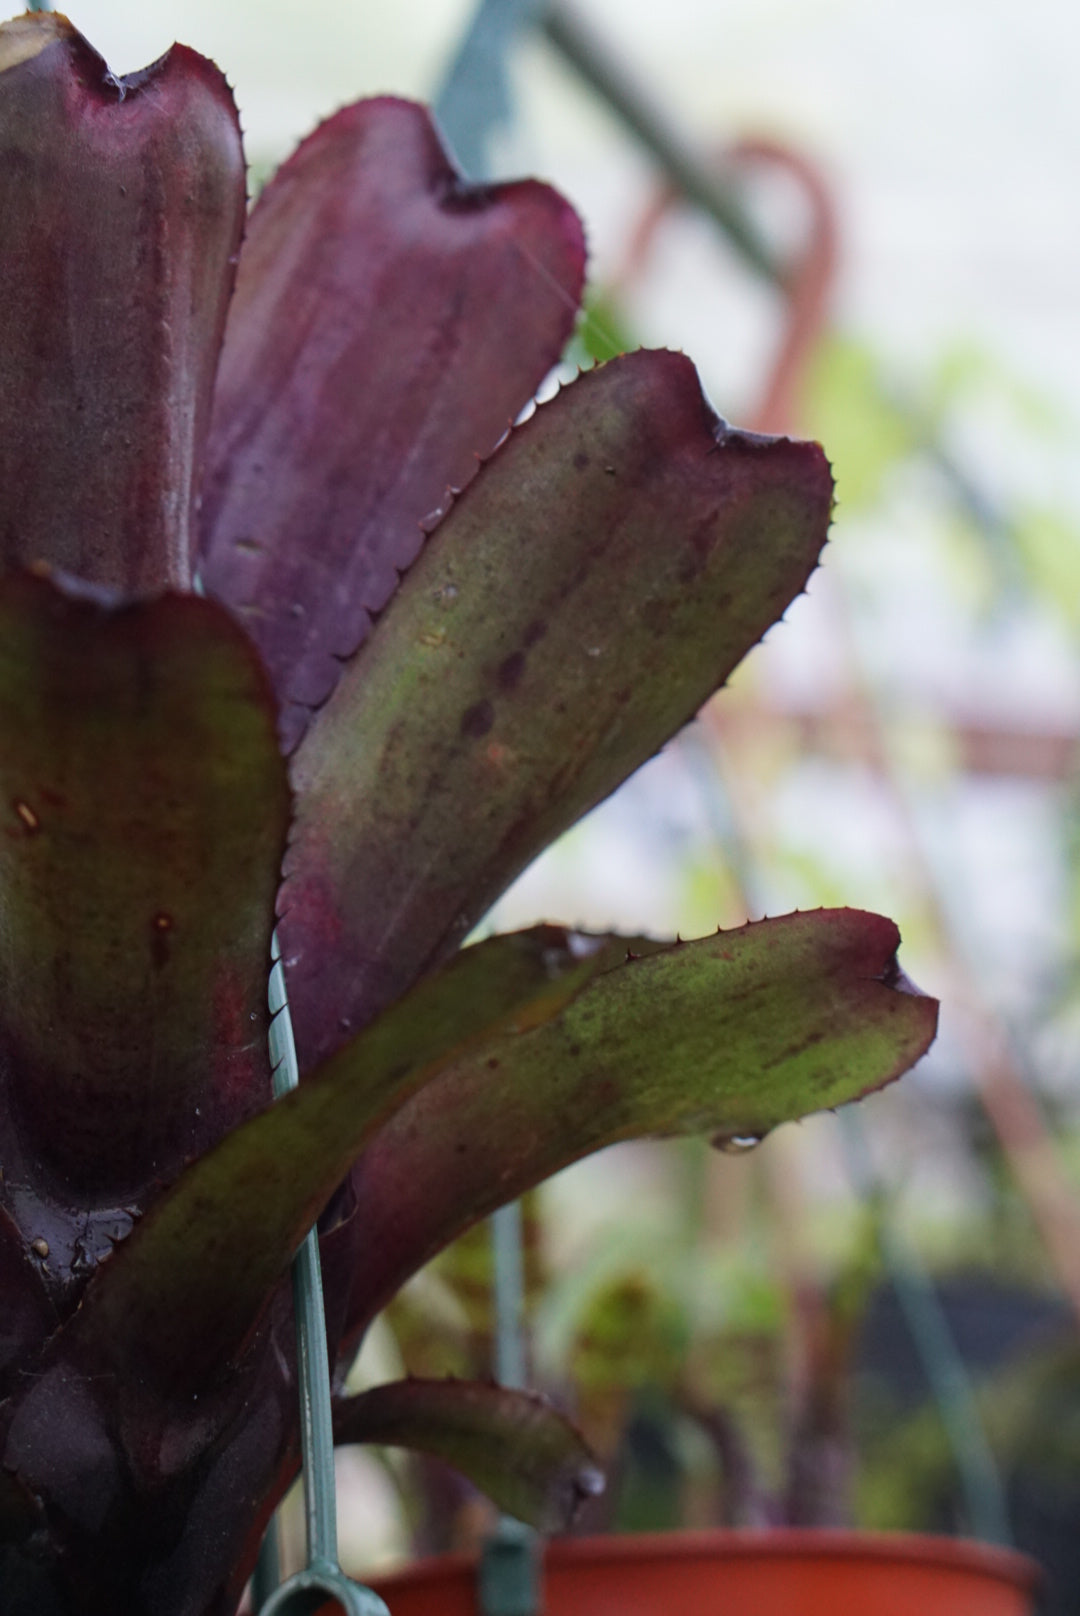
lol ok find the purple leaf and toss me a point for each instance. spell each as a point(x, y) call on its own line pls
point(513, 1445)
point(389, 322)
point(598, 580)
point(122, 203)
point(143, 809)
point(27, 1316)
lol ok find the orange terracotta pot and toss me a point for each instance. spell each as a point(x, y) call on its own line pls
point(776, 1573)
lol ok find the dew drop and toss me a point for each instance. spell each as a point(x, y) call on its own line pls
point(589, 1482)
point(40, 1246)
point(736, 1144)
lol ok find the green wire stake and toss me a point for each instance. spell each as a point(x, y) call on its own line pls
point(322, 1578)
point(508, 1576)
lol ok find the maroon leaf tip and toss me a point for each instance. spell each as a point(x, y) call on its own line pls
point(123, 205)
point(389, 322)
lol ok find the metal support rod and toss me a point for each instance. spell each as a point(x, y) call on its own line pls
point(587, 54)
point(475, 98)
point(508, 1578)
point(506, 1238)
point(322, 1575)
point(312, 1361)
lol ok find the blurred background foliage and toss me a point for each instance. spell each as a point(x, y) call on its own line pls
point(741, 1337)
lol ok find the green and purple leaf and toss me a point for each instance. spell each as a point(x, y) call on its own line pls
point(183, 1293)
point(599, 579)
point(513, 1445)
point(389, 323)
point(728, 1036)
point(493, 1091)
point(143, 809)
point(122, 203)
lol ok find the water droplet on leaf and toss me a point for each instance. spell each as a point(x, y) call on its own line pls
point(735, 1144)
point(40, 1246)
point(589, 1482)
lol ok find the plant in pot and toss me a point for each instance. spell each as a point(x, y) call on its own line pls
point(257, 670)
point(675, 1357)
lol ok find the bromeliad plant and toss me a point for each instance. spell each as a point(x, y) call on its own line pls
point(228, 650)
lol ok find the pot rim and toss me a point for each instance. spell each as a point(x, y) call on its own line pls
point(786, 1542)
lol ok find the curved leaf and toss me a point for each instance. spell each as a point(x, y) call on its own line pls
point(513, 1445)
point(143, 806)
point(122, 203)
point(728, 1036)
point(495, 1088)
point(598, 580)
point(184, 1292)
point(389, 322)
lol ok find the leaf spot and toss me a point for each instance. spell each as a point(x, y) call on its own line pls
point(477, 719)
point(511, 670)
